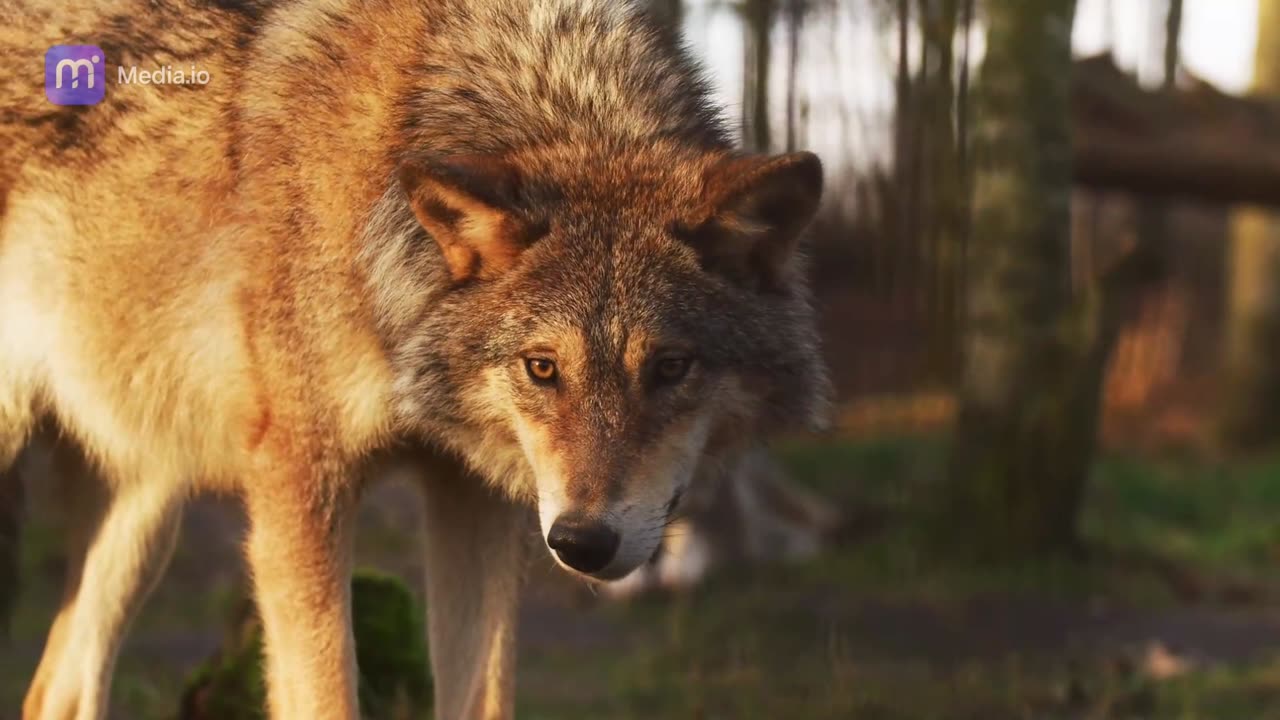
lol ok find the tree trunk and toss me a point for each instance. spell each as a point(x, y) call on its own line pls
point(1172, 42)
point(964, 169)
point(906, 179)
point(1153, 213)
point(796, 10)
point(938, 150)
point(1032, 365)
point(758, 17)
point(1251, 411)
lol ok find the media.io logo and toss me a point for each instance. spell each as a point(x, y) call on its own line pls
point(75, 74)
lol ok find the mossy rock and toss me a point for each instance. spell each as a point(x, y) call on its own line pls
point(395, 682)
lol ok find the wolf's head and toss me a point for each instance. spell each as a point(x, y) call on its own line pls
point(612, 319)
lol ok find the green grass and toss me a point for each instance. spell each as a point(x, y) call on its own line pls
point(1213, 518)
point(882, 626)
point(1248, 692)
point(1213, 515)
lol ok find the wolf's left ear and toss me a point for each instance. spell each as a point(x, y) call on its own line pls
point(469, 205)
point(757, 209)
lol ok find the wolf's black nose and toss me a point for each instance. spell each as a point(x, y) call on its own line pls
point(584, 545)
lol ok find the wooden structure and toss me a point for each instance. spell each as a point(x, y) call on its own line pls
point(1195, 142)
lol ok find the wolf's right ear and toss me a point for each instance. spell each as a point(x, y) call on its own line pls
point(756, 209)
point(468, 204)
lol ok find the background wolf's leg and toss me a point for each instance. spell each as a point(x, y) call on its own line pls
point(476, 547)
point(15, 424)
point(300, 555)
point(83, 498)
point(122, 560)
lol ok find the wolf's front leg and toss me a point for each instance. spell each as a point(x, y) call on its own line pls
point(300, 554)
point(476, 550)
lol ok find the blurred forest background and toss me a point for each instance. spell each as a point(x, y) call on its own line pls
point(1049, 274)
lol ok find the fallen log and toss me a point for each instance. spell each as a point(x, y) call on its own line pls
point(1194, 142)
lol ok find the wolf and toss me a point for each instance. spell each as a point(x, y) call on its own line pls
point(508, 242)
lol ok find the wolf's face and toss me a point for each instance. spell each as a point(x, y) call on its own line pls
point(613, 383)
point(624, 321)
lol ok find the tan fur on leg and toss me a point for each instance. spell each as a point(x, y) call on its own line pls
point(300, 555)
point(53, 647)
point(476, 546)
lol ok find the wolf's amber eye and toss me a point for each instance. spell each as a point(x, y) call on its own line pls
point(540, 369)
point(672, 369)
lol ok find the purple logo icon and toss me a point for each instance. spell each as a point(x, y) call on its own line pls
point(75, 74)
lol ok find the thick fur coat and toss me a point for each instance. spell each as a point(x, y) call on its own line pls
point(506, 240)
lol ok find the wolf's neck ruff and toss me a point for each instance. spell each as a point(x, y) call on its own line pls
point(493, 76)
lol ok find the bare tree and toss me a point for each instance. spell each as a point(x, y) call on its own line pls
point(1172, 42)
point(796, 10)
point(906, 175)
point(758, 16)
point(938, 154)
point(1153, 213)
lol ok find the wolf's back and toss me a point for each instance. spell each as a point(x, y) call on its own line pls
point(130, 32)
